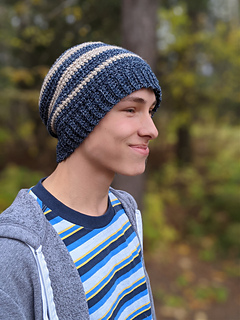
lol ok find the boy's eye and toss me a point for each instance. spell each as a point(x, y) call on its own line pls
point(151, 112)
point(130, 110)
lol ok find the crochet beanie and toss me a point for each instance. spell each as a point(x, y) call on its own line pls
point(84, 83)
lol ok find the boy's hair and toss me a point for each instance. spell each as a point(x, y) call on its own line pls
point(84, 83)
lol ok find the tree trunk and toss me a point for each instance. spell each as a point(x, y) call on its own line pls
point(139, 23)
point(139, 19)
point(183, 147)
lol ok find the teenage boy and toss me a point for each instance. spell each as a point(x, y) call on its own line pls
point(71, 246)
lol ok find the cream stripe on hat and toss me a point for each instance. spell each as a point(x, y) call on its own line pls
point(60, 61)
point(73, 68)
point(84, 82)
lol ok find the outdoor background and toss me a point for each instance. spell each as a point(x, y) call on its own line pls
point(190, 194)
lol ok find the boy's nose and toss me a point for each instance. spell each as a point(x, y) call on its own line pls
point(148, 128)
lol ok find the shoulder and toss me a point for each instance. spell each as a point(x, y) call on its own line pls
point(23, 220)
point(21, 206)
point(16, 258)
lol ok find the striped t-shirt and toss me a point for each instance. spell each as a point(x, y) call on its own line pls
point(107, 254)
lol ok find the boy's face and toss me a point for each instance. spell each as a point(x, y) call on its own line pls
point(119, 143)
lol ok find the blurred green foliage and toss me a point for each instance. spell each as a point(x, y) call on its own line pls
point(212, 293)
point(198, 293)
point(12, 179)
point(199, 67)
point(157, 233)
point(201, 200)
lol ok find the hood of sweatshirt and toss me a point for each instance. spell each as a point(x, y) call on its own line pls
point(24, 223)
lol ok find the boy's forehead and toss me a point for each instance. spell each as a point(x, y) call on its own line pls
point(140, 95)
point(136, 92)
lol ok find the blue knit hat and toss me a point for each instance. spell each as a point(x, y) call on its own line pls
point(84, 83)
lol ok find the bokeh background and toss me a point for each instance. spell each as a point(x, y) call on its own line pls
point(190, 194)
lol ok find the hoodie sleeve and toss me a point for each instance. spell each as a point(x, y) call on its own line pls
point(20, 291)
point(9, 309)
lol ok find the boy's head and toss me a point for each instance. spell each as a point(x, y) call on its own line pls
point(84, 84)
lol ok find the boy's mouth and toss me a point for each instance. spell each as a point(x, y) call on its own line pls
point(140, 148)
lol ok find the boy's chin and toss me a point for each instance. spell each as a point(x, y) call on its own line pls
point(133, 173)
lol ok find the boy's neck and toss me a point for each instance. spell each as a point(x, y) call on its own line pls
point(80, 187)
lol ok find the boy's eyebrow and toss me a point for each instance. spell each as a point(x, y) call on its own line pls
point(138, 100)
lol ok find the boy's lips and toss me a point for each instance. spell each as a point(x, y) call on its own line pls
point(140, 148)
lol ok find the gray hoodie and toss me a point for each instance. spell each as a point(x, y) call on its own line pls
point(38, 279)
